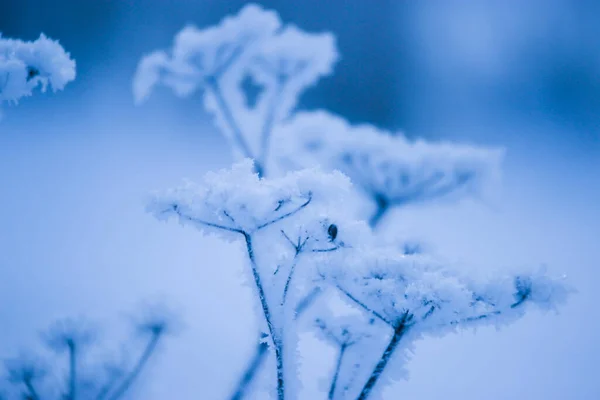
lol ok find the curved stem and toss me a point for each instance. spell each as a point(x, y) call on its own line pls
point(137, 369)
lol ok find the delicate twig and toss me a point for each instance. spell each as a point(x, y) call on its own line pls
point(213, 85)
point(378, 216)
point(224, 65)
point(137, 369)
point(33, 394)
point(72, 369)
point(330, 249)
point(176, 209)
point(364, 306)
point(336, 374)
point(269, 120)
point(288, 214)
point(248, 377)
point(260, 353)
point(399, 331)
point(307, 301)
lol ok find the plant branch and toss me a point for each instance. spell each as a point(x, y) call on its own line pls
point(249, 374)
point(137, 369)
point(277, 343)
point(364, 306)
point(399, 331)
point(307, 301)
point(286, 215)
point(72, 369)
point(236, 133)
point(177, 210)
point(336, 374)
point(33, 394)
point(383, 205)
point(260, 352)
point(269, 121)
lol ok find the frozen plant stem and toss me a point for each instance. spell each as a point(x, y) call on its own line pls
point(383, 206)
point(213, 86)
point(261, 349)
point(385, 357)
point(72, 369)
point(137, 369)
point(254, 365)
point(33, 395)
point(336, 374)
point(268, 125)
point(277, 344)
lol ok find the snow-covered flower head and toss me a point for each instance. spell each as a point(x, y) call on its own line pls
point(238, 199)
point(248, 52)
point(68, 333)
point(25, 66)
point(198, 55)
point(389, 169)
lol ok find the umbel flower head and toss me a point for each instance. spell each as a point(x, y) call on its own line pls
point(24, 66)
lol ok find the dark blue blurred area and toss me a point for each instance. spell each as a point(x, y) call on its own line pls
point(109, 37)
point(432, 68)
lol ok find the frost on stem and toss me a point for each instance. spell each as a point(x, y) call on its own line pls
point(298, 238)
point(413, 296)
point(24, 66)
point(284, 224)
point(250, 47)
point(87, 376)
point(389, 169)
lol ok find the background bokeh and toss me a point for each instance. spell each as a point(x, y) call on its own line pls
point(76, 166)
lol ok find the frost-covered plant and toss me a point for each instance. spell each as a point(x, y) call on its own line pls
point(32, 377)
point(24, 66)
point(298, 237)
point(251, 50)
point(390, 170)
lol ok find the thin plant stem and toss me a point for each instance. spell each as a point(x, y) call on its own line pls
point(268, 124)
point(277, 343)
point(336, 374)
point(260, 353)
point(33, 394)
point(236, 133)
point(377, 217)
point(385, 357)
point(249, 374)
point(364, 306)
point(137, 369)
point(72, 370)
